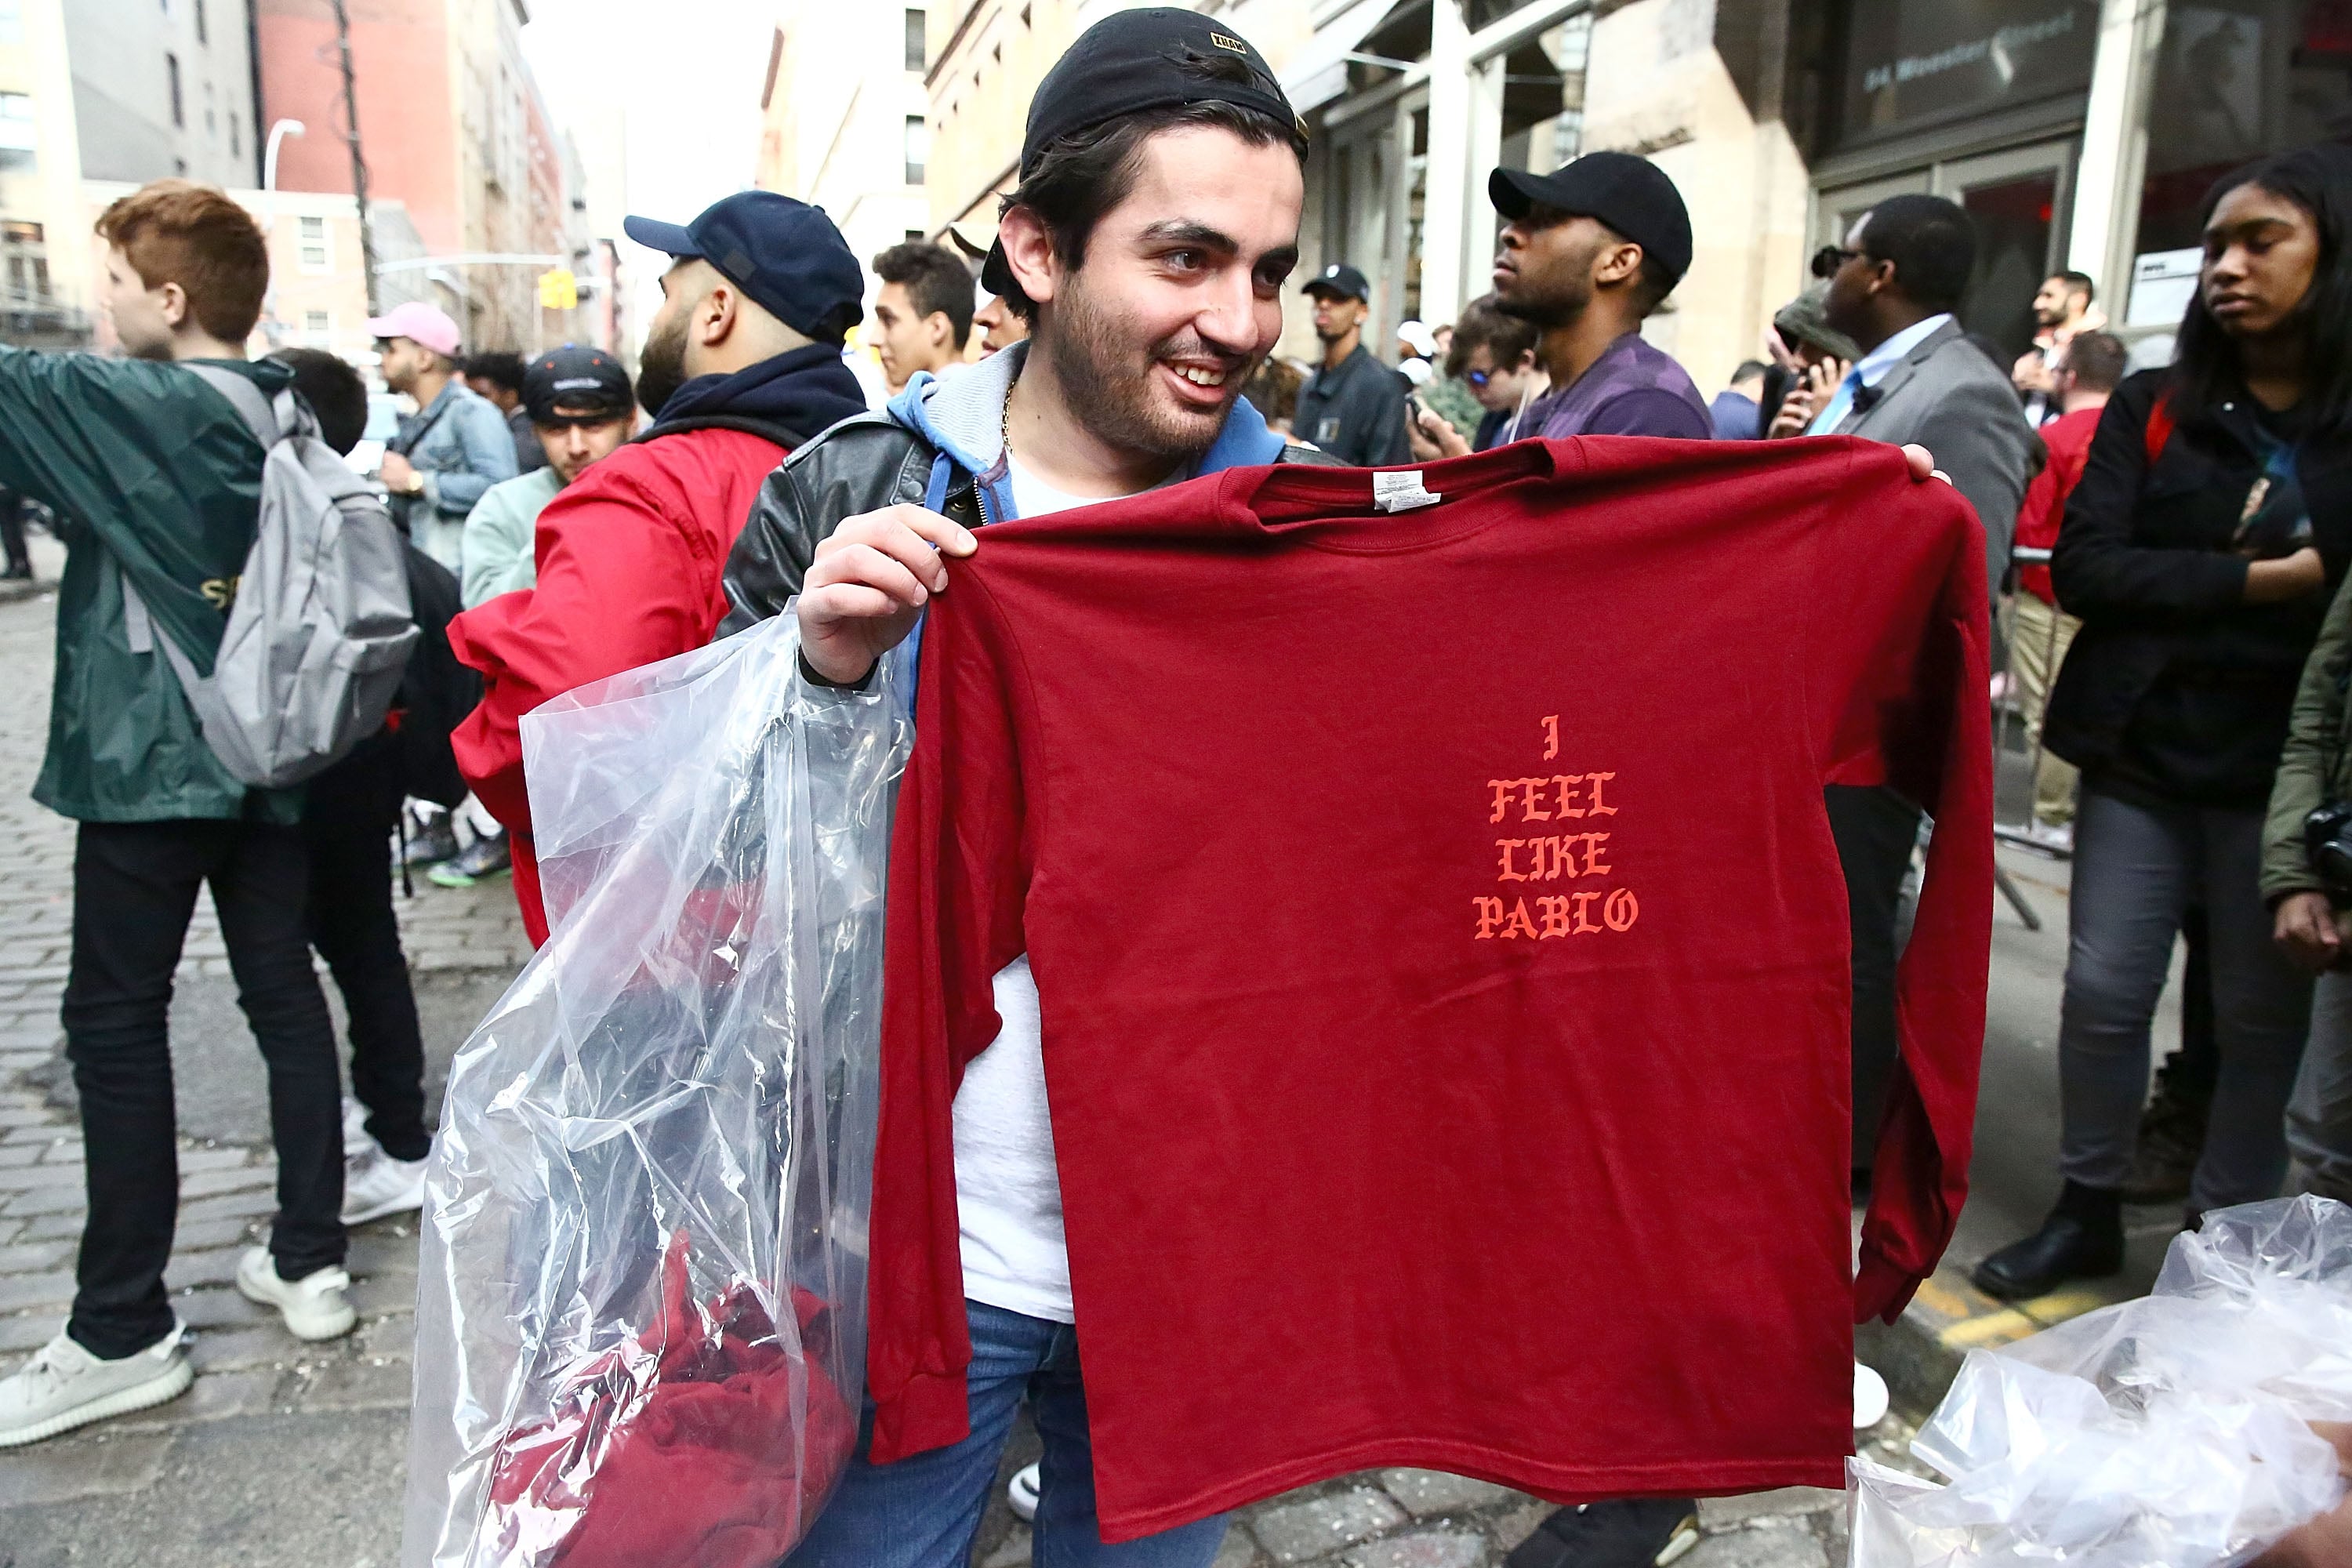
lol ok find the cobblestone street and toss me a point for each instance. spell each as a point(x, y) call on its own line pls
point(291, 1454)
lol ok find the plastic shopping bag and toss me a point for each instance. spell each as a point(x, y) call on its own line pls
point(640, 1328)
point(2170, 1432)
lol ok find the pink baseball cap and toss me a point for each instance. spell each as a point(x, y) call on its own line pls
point(419, 323)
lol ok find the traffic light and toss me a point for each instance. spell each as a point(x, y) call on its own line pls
point(558, 290)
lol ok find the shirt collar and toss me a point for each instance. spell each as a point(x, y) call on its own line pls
point(1872, 366)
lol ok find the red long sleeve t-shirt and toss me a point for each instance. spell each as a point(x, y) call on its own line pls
point(1442, 958)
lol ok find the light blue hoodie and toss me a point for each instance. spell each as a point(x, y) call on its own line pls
point(963, 417)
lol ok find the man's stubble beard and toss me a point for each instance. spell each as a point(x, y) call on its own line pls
point(1545, 304)
point(1113, 398)
point(661, 366)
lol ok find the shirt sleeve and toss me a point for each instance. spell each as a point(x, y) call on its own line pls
point(1386, 444)
point(1934, 743)
point(495, 553)
point(489, 452)
point(959, 878)
point(621, 583)
point(1650, 411)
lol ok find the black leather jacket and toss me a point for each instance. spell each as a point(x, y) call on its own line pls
point(860, 465)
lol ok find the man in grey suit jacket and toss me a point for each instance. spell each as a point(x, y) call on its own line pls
point(1898, 279)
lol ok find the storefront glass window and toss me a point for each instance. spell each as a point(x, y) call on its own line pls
point(1543, 97)
point(1913, 64)
point(2236, 79)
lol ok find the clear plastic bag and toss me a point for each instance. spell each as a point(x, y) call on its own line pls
point(640, 1327)
point(2168, 1432)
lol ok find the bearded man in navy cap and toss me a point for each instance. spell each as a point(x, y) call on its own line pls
point(741, 363)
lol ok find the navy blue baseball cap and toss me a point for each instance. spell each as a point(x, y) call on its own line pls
point(785, 254)
point(1339, 279)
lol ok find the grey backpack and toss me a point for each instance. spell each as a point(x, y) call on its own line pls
point(321, 627)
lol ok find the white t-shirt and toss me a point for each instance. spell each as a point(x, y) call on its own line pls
point(1008, 1192)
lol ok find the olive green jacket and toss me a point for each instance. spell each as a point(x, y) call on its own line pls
point(153, 476)
point(2313, 768)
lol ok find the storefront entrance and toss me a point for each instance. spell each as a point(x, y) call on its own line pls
point(2018, 198)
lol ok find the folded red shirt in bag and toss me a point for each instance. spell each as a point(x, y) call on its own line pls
point(1443, 960)
point(704, 1443)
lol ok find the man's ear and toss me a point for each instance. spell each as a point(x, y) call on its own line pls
point(1029, 252)
point(943, 331)
point(714, 318)
point(175, 305)
point(1618, 263)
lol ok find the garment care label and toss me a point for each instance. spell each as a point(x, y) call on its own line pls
point(1401, 492)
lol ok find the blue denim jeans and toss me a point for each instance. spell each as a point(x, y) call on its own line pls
point(924, 1511)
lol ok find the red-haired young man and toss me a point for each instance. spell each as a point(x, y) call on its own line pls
point(160, 480)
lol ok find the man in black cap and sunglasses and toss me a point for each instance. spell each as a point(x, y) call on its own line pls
point(1588, 253)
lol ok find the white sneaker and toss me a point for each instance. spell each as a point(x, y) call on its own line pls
point(1021, 1492)
point(357, 1145)
point(62, 1387)
point(379, 1186)
point(312, 1306)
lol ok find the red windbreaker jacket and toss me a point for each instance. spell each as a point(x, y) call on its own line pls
point(1443, 960)
point(630, 559)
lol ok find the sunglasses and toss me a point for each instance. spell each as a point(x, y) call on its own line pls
point(1477, 378)
point(1830, 258)
point(579, 421)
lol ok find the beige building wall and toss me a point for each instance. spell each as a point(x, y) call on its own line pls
point(1658, 86)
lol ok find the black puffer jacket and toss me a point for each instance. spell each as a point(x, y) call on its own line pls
point(2176, 691)
point(859, 465)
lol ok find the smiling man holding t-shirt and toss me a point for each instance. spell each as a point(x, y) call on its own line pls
point(1155, 225)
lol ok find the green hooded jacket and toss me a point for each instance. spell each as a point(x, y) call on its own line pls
point(153, 476)
point(2313, 768)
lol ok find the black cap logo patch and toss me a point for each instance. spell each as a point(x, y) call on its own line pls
point(1223, 42)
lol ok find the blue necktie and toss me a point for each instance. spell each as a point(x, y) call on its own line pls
point(1841, 402)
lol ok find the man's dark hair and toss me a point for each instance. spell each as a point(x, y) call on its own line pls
point(501, 368)
point(1931, 242)
point(2207, 372)
point(2096, 360)
point(936, 280)
point(1507, 338)
point(1079, 177)
point(2078, 283)
point(1747, 369)
point(337, 396)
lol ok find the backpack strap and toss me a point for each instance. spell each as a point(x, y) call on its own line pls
point(2159, 427)
point(251, 404)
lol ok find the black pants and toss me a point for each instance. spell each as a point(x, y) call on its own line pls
point(14, 556)
point(352, 927)
point(134, 887)
point(1874, 829)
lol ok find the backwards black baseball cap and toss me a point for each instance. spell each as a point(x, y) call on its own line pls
point(577, 378)
point(786, 256)
point(1135, 60)
point(1631, 194)
point(1340, 279)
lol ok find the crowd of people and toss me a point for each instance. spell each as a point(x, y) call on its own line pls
point(2164, 550)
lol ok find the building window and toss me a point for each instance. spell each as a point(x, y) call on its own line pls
point(919, 148)
point(200, 36)
point(12, 21)
point(317, 326)
point(915, 46)
point(18, 133)
point(234, 149)
point(179, 113)
point(314, 245)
